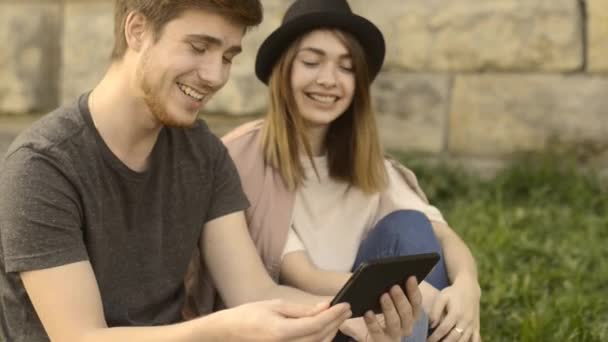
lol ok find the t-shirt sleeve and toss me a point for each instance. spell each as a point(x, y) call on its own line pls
point(40, 220)
point(228, 196)
point(404, 197)
point(293, 243)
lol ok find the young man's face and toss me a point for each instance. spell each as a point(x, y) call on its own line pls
point(188, 64)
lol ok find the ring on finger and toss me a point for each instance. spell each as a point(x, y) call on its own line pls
point(458, 330)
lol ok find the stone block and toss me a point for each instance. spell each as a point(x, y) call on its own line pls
point(29, 32)
point(88, 38)
point(597, 29)
point(498, 115)
point(473, 35)
point(244, 94)
point(412, 110)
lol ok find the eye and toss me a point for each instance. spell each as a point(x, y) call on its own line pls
point(347, 68)
point(227, 60)
point(198, 48)
point(309, 64)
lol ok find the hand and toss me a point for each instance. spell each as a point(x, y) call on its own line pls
point(459, 306)
point(355, 328)
point(278, 320)
point(397, 320)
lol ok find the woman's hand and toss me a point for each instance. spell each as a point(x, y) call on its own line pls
point(455, 313)
point(357, 329)
point(399, 314)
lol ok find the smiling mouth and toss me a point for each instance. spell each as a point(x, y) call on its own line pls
point(191, 92)
point(326, 99)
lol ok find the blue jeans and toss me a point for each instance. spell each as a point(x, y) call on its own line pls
point(404, 232)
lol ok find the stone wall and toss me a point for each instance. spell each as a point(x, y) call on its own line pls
point(463, 78)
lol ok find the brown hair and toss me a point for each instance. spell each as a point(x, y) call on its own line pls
point(160, 12)
point(353, 147)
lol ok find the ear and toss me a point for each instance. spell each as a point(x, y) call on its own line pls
point(136, 27)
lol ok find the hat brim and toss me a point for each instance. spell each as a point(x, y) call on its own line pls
point(278, 41)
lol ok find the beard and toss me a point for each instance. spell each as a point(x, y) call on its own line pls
point(152, 98)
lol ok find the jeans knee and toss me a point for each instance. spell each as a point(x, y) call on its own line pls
point(405, 222)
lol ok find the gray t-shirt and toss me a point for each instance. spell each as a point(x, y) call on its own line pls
point(65, 197)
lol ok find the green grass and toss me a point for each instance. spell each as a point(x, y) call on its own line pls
point(539, 233)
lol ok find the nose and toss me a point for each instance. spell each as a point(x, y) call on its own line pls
point(327, 76)
point(213, 72)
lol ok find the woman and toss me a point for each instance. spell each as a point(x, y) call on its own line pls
point(323, 197)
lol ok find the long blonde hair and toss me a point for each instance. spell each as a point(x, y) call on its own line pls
point(353, 148)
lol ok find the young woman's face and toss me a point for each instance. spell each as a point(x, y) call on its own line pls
point(322, 77)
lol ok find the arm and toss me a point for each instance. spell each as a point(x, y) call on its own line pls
point(457, 306)
point(297, 270)
point(67, 300)
point(459, 261)
point(237, 269)
point(68, 303)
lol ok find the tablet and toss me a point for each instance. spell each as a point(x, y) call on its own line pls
point(374, 278)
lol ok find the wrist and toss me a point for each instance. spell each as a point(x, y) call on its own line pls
point(429, 294)
point(209, 328)
point(469, 282)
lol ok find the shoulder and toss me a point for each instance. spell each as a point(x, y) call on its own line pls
point(50, 132)
point(244, 143)
point(400, 174)
point(242, 136)
point(245, 149)
point(58, 139)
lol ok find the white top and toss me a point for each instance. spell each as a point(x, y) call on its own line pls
point(330, 218)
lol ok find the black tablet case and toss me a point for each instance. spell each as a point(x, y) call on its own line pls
point(371, 279)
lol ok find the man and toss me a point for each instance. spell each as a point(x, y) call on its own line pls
point(103, 202)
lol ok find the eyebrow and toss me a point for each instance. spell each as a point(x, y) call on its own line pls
point(203, 38)
point(322, 53)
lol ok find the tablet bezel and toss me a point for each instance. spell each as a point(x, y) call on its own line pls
point(373, 278)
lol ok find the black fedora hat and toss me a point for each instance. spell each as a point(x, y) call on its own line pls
point(306, 15)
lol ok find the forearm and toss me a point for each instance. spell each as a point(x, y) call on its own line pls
point(194, 330)
point(460, 264)
point(324, 283)
point(292, 294)
point(297, 270)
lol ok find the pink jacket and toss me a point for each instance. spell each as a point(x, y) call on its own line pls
point(269, 215)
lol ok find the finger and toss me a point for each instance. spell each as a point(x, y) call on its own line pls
point(354, 328)
point(476, 336)
point(392, 319)
point(414, 296)
point(438, 309)
point(466, 335)
point(329, 338)
point(313, 325)
point(330, 330)
point(404, 310)
point(453, 336)
point(373, 326)
point(293, 310)
point(443, 329)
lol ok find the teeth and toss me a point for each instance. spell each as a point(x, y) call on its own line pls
point(323, 98)
point(190, 92)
